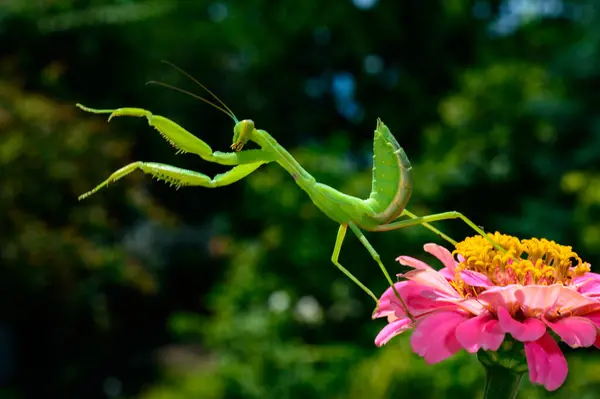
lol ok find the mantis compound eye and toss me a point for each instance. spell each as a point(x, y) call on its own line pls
point(242, 133)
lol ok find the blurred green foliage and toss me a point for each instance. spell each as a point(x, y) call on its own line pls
point(143, 291)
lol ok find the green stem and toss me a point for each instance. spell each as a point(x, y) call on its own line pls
point(501, 383)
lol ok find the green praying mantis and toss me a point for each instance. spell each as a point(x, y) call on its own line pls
point(390, 192)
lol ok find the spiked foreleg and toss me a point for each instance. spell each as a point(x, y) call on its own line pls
point(185, 141)
point(179, 177)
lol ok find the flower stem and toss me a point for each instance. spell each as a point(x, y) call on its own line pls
point(504, 370)
point(501, 383)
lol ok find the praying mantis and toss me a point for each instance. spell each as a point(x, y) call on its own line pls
point(390, 192)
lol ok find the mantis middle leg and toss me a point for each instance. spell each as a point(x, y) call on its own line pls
point(335, 259)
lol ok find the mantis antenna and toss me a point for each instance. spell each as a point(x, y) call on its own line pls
point(189, 93)
point(193, 79)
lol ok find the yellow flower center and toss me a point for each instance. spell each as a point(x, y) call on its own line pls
point(533, 261)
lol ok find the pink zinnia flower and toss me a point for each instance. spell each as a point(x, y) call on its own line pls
point(535, 288)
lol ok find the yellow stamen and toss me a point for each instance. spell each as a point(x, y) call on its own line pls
point(533, 261)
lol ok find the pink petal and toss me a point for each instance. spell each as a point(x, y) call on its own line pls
point(471, 305)
point(434, 280)
point(482, 331)
point(575, 331)
point(443, 255)
point(549, 299)
point(494, 336)
point(389, 303)
point(538, 296)
point(447, 274)
point(500, 297)
point(414, 263)
point(594, 318)
point(547, 365)
point(589, 276)
point(529, 330)
point(434, 336)
point(475, 279)
point(391, 330)
point(418, 298)
point(590, 288)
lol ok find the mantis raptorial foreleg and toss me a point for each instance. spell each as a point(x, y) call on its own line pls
point(179, 177)
point(185, 141)
point(247, 161)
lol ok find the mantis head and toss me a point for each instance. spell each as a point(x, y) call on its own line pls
point(241, 134)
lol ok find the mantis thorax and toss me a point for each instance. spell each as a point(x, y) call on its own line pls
point(242, 132)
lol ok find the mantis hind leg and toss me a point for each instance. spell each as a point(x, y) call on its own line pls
point(177, 176)
point(377, 259)
point(424, 220)
point(430, 227)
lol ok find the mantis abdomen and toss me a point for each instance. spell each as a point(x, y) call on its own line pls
point(392, 177)
point(390, 191)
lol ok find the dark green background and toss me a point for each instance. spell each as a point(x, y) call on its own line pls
point(147, 292)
